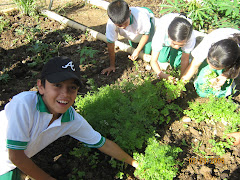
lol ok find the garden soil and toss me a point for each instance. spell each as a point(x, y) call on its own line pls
point(55, 159)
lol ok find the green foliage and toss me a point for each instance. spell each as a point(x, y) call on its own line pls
point(3, 23)
point(79, 174)
point(43, 52)
point(85, 53)
point(207, 14)
point(216, 109)
point(158, 162)
point(4, 78)
point(68, 38)
point(220, 146)
point(27, 7)
point(127, 113)
point(173, 89)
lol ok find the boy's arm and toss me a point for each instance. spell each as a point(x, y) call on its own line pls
point(111, 51)
point(155, 65)
point(191, 70)
point(27, 166)
point(184, 62)
point(140, 46)
point(112, 149)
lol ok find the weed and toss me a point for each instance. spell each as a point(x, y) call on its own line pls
point(92, 84)
point(158, 162)
point(68, 38)
point(220, 146)
point(27, 7)
point(86, 52)
point(3, 23)
point(206, 14)
point(216, 109)
point(4, 78)
point(43, 52)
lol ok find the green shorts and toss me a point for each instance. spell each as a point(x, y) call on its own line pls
point(171, 55)
point(14, 174)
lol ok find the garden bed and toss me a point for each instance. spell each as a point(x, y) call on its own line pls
point(27, 41)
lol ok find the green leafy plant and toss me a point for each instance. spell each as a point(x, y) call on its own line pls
point(215, 109)
point(4, 78)
point(3, 23)
point(173, 88)
point(127, 113)
point(43, 52)
point(206, 14)
point(68, 38)
point(158, 162)
point(85, 53)
point(27, 7)
point(220, 146)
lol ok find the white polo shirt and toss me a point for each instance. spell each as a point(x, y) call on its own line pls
point(139, 25)
point(201, 51)
point(24, 126)
point(161, 37)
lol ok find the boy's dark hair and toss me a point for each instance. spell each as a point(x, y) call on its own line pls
point(180, 29)
point(118, 11)
point(225, 54)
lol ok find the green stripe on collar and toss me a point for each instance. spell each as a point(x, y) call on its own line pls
point(40, 104)
point(131, 19)
point(66, 117)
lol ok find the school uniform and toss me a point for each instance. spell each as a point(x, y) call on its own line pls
point(24, 125)
point(141, 23)
point(161, 41)
point(200, 54)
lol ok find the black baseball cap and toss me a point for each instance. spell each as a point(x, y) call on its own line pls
point(59, 69)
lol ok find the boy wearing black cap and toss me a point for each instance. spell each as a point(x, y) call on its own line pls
point(33, 120)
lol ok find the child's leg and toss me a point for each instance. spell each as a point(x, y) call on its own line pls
point(14, 174)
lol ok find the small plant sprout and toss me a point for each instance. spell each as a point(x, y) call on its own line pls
point(85, 53)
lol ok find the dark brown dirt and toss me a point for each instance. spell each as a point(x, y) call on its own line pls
point(16, 57)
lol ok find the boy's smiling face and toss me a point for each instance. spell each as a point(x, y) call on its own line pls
point(58, 97)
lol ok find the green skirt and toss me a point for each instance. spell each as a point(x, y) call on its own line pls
point(171, 55)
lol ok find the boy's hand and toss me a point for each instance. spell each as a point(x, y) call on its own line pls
point(235, 135)
point(108, 70)
point(134, 55)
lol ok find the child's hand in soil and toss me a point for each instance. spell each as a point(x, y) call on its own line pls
point(236, 136)
point(108, 70)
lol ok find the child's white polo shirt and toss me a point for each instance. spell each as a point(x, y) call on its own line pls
point(201, 51)
point(139, 24)
point(24, 126)
point(161, 37)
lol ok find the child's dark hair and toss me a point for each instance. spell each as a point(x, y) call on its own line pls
point(118, 11)
point(180, 29)
point(225, 54)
